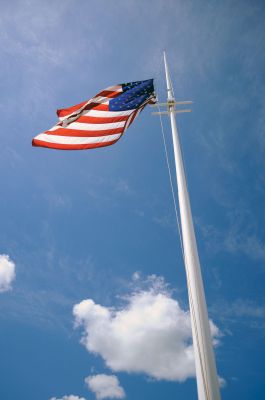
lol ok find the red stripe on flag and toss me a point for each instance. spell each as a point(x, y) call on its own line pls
point(66, 111)
point(97, 106)
point(99, 120)
point(58, 146)
point(106, 93)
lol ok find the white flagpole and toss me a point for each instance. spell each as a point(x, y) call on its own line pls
point(206, 374)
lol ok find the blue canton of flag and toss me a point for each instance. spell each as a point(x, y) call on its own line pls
point(133, 96)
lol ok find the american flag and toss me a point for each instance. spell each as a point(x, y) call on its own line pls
point(100, 121)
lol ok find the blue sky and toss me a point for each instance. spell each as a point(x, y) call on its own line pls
point(94, 231)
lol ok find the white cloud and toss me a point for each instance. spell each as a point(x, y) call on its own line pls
point(70, 397)
point(105, 386)
point(151, 334)
point(222, 382)
point(7, 273)
point(136, 276)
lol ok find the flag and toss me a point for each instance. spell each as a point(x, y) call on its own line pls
point(100, 121)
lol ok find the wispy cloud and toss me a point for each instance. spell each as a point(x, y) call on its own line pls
point(241, 308)
point(239, 237)
point(122, 186)
point(166, 221)
point(240, 312)
point(28, 39)
point(116, 187)
point(37, 297)
point(58, 200)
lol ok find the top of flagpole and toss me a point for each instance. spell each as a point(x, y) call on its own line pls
point(170, 95)
point(171, 103)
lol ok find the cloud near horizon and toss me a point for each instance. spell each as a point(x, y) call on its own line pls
point(70, 397)
point(105, 386)
point(151, 334)
point(7, 273)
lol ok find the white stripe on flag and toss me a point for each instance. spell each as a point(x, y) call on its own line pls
point(80, 126)
point(116, 88)
point(76, 140)
point(95, 127)
point(107, 114)
point(102, 114)
point(100, 100)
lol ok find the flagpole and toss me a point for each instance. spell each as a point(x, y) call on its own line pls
point(206, 374)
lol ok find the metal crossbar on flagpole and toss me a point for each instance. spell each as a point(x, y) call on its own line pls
point(171, 107)
point(206, 373)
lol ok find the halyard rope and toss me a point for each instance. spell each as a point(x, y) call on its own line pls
point(170, 180)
